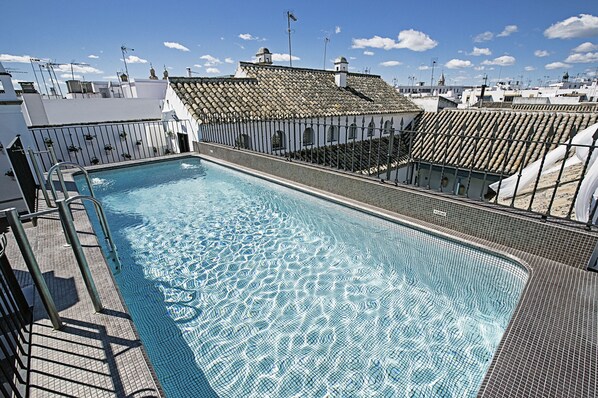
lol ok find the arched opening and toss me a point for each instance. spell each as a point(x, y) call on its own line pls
point(387, 127)
point(371, 128)
point(308, 136)
point(243, 141)
point(352, 134)
point(278, 140)
point(332, 134)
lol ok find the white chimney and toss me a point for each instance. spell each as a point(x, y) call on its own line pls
point(341, 67)
point(264, 56)
point(189, 74)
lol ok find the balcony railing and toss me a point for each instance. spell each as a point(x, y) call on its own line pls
point(104, 143)
point(549, 178)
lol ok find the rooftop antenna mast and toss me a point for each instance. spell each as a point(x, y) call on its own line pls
point(434, 60)
point(290, 16)
point(50, 68)
point(35, 74)
point(124, 50)
point(78, 64)
point(326, 41)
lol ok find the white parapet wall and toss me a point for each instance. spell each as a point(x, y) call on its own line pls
point(43, 112)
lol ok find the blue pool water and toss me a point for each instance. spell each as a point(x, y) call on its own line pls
point(243, 288)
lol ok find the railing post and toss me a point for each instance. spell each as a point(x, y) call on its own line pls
point(79, 255)
point(390, 148)
point(33, 267)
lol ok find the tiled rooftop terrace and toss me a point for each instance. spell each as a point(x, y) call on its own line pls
point(550, 348)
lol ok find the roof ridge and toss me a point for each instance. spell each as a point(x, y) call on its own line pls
point(251, 64)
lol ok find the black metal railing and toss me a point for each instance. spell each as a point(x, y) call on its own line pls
point(468, 162)
point(103, 143)
point(15, 331)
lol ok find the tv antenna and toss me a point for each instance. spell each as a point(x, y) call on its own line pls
point(76, 64)
point(124, 50)
point(290, 16)
point(434, 61)
point(326, 41)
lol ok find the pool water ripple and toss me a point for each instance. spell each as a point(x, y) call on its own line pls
point(278, 294)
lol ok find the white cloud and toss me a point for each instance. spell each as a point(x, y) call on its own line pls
point(337, 29)
point(479, 68)
point(480, 51)
point(541, 53)
point(175, 45)
point(529, 69)
point(458, 63)
point(212, 70)
point(582, 58)
point(584, 25)
point(366, 52)
point(70, 76)
point(133, 59)
point(229, 60)
point(210, 60)
point(249, 36)
point(557, 65)
point(410, 39)
point(486, 36)
point(505, 60)
point(352, 58)
point(391, 63)
point(375, 42)
point(283, 57)
point(83, 69)
point(198, 65)
point(15, 58)
point(111, 77)
point(424, 67)
point(508, 30)
point(585, 47)
point(92, 56)
point(415, 41)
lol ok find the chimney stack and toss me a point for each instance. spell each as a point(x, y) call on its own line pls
point(189, 72)
point(264, 56)
point(341, 67)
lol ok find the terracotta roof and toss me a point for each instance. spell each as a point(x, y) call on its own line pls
point(563, 202)
point(279, 92)
point(365, 157)
point(492, 140)
point(582, 107)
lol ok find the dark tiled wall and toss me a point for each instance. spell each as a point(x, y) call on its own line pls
point(569, 245)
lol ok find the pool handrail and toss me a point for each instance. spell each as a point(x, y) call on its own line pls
point(56, 168)
point(103, 223)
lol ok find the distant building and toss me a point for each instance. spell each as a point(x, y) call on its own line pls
point(95, 102)
point(434, 103)
point(489, 143)
point(420, 89)
point(564, 92)
point(319, 101)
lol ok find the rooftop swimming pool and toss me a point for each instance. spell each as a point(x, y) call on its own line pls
point(240, 287)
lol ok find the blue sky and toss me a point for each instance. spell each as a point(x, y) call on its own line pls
point(533, 41)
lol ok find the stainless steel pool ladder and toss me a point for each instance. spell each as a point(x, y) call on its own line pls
point(91, 197)
point(15, 222)
point(65, 192)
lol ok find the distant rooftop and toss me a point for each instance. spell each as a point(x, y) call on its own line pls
point(284, 92)
point(501, 146)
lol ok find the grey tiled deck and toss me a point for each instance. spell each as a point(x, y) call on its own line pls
point(94, 354)
point(550, 349)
